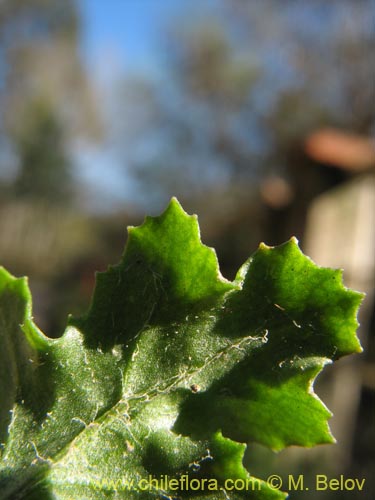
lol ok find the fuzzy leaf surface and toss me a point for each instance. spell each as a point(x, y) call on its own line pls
point(170, 372)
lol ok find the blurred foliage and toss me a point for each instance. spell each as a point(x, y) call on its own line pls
point(45, 97)
point(44, 170)
point(47, 105)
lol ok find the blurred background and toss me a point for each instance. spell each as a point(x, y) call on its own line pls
point(260, 119)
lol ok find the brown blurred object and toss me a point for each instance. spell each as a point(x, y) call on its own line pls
point(276, 192)
point(343, 150)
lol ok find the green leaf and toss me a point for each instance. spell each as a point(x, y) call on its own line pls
point(170, 372)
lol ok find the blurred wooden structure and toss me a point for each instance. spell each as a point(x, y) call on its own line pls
point(340, 233)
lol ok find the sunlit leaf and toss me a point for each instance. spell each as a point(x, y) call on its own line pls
point(171, 372)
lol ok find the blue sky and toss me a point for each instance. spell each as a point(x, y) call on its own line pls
point(118, 37)
point(129, 28)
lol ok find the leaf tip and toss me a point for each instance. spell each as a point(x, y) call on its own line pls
point(175, 205)
point(263, 246)
point(294, 240)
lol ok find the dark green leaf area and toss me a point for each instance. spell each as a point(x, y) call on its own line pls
point(118, 456)
point(49, 390)
point(14, 364)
